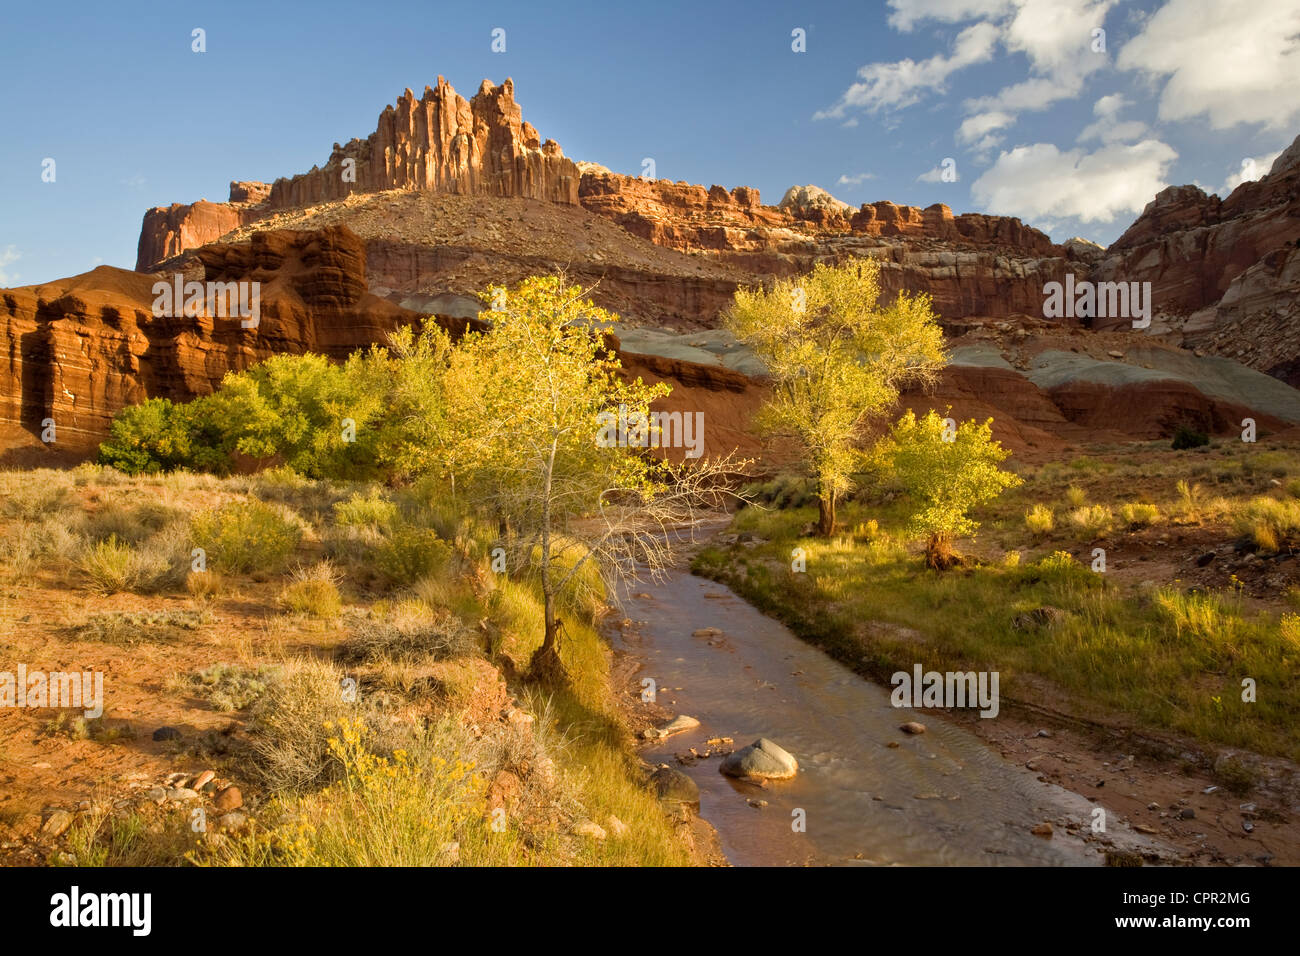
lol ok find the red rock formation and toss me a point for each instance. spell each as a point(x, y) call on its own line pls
point(440, 142)
point(1152, 410)
point(82, 348)
point(168, 231)
point(677, 215)
point(443, 143)
point(1191, 246)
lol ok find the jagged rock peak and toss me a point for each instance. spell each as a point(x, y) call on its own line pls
point(442, 142)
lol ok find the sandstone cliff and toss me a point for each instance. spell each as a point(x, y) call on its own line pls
point(81, 348)
point(440, 142)
point(1224, 272)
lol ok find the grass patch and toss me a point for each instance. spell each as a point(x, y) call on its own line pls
point(1040, 519)
point(229, 687)
point(141, 627)
point(314, 592)
point(244, 536)
point(1174, 661)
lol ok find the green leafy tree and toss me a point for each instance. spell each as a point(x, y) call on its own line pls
point(837, 358)
point(431, 415)
point(532, 406)
point(148, 438)
point(948, 470)
point(314, 413)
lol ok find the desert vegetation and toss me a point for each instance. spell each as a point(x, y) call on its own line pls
point(379, 719)
point(1189, 597)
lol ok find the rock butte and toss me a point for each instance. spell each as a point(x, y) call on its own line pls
point(448, 193)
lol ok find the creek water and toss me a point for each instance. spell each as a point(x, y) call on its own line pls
point(942, 797)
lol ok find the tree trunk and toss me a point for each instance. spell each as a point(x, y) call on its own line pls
point(545, 663)
point(826, 514)
point(939, 554)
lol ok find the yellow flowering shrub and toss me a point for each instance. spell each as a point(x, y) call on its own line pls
point(382, 812)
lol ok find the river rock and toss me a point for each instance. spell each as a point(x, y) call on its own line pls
point(912, 727)
point(56, 823)
point(707, 632)
point(762, 760)
point(679, 725)
point(673, 786)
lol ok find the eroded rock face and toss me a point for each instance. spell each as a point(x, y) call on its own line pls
point(81, 348)
point(1193, 247)
point(169, 231)
point(440, 142)
point(444, 143)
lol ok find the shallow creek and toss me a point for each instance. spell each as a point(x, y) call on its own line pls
point(942, 797)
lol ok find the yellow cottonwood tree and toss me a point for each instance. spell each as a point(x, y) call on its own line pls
point(837, 358)
point(535, 397)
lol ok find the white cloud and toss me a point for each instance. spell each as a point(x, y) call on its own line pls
point(8, 256)
point(1233, 62)
point(857, 179)
point(1056, 37)
point(979, 126)
point(900, 84)
point(1039, 181)
point(1108, 128)
point(907, 13)
point(1109, 106)
point(1251, 168)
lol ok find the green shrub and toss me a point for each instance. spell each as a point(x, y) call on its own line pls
point(409, 554)
point(110, 566)
point(1269, 522)
point(1139, 514)
point(246, 536)
point(1185, 436)
point(1092, 521)
point(371, 510)
point(148, 438)
point(403, 810)
point(313, 591)
point(292, 720)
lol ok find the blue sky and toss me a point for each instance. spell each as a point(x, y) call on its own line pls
point(1039, 124)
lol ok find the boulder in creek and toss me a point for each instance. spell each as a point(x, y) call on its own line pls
point(673, 786)
point(761, 760)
